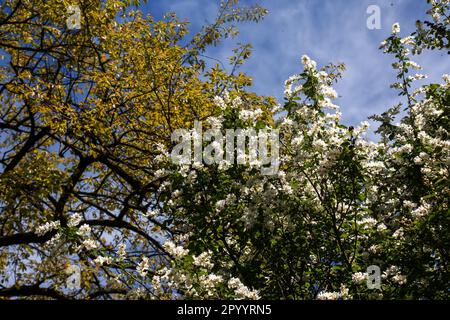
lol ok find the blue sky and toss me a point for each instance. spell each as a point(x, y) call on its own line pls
point(327, 31)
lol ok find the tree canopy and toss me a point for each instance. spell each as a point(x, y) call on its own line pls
point(88, 187)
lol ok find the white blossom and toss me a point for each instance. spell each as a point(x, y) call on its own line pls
point(121, 252)
point(325, 295)
point(90, 244)
point(143, 267)
point(308, 63)
point(48, 226)
point(100, 260)
point(74, 220)
point(396, 28)
point(203, 260)
point(84, 231)
point(359, 277)
point(174, 250)
point(421, 210)
point(241, 291)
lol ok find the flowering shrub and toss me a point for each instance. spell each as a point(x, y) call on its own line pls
point(93, 184)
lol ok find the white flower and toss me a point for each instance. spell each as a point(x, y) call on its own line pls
point(288, 92)
point(152, 213)
point(408, 40)
point(84, 231)
point(245, 114)
point(418, 160)
point(143, 267)
point(276, 108)
point(375, 166)
point(218, 101)
point(231, 198)
point(55, 240)
point(203, 260)
point(409, 204)
point(324, 295)
point(159, 173)
point(424, 155)
point(215, 122)
point(308, 63)
point(236, 103)
point(400, 279)
point(161, 148)
point(89, 244)
point(413, 65)
point(241, 291)
point(220, 205)
point(297, 141)
point(174, 250)
point(329, 92)
point(398, 234)
point(177, 193)
point(319, 144)
point(48, 226)
point(407, 148)
point(100, 260)
point(74, 220)
point(426, 170)
point(421, 211)
point(446, 78)
point(417, 76)
point(363, 127)
point(344, 294)
point(392, 270)
point(287, 122)
point(396, 28)
point(359, 277)
point(136, 294)
point(121, 252)
point(367, 222)
point(156, 283)
point(211, 280)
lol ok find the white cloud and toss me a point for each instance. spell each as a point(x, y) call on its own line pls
point(328, 31)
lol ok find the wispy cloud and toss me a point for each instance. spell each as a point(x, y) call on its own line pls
point(328, 31)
